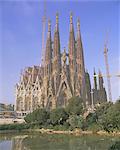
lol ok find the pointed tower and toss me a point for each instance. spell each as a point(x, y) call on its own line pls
point(72, 55)
point(80, 60)
point(100, 81)
point(102, 96)
point(95, 89)
point(48, 54)
point(47, 64)
point(95, 80)
point(56, 56)
point(88, 87)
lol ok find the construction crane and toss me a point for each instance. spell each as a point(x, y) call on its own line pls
point(107, 69)
point(111, 75)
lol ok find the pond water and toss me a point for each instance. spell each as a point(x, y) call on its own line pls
point(36, 141)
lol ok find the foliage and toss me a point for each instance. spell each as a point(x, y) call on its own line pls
point(38, 116)
point(58, 116)
point(61, 127)
point(102, 109)
point(105, 117)
point(75, 106)
point(75, 121)
point(95, 127)
point(111, 119)
point(14, 126)
point(115, 146)
point(91, 118)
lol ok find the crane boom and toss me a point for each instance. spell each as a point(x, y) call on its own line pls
point(104, 75)
point(107, 72)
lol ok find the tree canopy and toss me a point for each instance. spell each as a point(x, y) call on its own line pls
point(75, 106)
point(105, 117)
point(58, 116)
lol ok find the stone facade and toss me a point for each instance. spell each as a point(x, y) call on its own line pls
point(61, 77)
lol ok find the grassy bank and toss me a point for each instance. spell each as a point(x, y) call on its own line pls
point(28, 128)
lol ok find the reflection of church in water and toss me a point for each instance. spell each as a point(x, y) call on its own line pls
point(18, 142)
point(62, 76)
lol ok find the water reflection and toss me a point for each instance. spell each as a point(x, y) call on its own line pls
point(55, 142)
point(17, 143)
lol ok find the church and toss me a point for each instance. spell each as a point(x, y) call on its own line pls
point(61, 77)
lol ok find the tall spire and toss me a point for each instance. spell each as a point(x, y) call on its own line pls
point(48, 52)
point(56, 56)
point(72, 55)
point(80, 59)
point(56, 48)
point(71, 38)
point(79, 43)
point(57, 20)
point(95, 80)
point(71, 22)
point(49, 29)
point(78, 28)
point(100, 81)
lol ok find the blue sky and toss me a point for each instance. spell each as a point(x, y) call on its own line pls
point(21, 30)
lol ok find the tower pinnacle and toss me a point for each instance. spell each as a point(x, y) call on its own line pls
point(71, 17)
point(56, 56)
point(57, 17)
point(48, 52)
point(57, 20)
point(95, 80)
point(78, 24)
point(100, 80)
point(71, 22)
point(49, 26)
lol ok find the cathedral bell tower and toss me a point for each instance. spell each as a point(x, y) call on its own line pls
point(72, 55)
point(56, 56)
point(48, 54)
point(80, 60)
point(48, 63)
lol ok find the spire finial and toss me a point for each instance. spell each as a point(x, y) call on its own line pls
point(71, 22)
point(71, 17)
point(49, 25)
point(78, 24)
point(57, 17)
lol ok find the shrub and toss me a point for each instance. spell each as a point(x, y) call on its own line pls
point(75, 106)
point(58, 116)
point(115, 146)
point(14, 126)
point(38, 116)
point(75, 121)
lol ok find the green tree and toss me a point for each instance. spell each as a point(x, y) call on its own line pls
point(91, 118)
point(75, 106)
point(115, 146)
point(102, 109)
point(111, 119)
point(76, 121)
point(58, 116)
point(38, 116)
